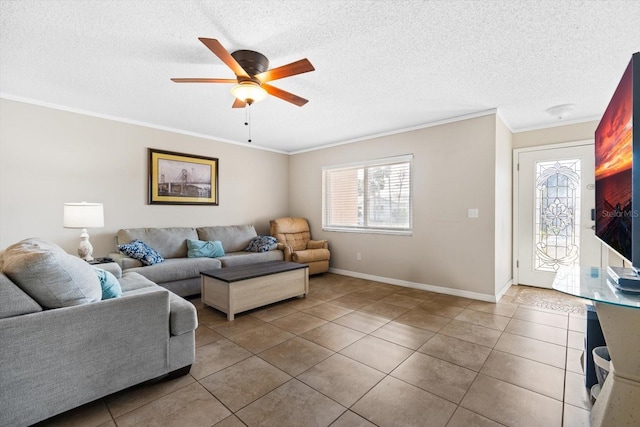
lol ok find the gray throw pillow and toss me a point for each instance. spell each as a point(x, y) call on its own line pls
point(49, 275)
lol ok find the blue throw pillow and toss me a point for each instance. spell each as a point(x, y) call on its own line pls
point(262, 244)
point(204, 249)
point(141, 251)
point(110, 285)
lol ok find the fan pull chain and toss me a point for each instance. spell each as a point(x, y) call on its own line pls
point(247, 119)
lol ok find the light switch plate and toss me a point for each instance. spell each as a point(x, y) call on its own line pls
point(474, 213)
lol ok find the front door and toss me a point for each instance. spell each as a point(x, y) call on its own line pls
point(555, 195)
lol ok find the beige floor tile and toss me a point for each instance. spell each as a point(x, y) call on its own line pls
point(511, 405)
point(575, 340)
point(191, 405)
point(436, 376)
point(332, 336)
point(351, 419)
point(240, 384)
point(302, 303)
point(107, 424)
point(261, 338)
point(440, 309)
point(540, 351)
point(451, 300)
point(273, 312)
point(394, 403)
point(374, 294)
point(384, 310)
point(298, 323)
point(501, 308)
point(575, 417)
point(513, 290)
point(404, 335)
point(421, 319)
point(92, 414)
point(460, 352)
point(231, 421)
point(576, 392)
point(204, 336)
point(473, 333)
point(351, 301)
point(363, 322)
point(341, 378)
point(465, 418)
point(213, 357)
point(402, 300)
point(487, 320)
point(416, 293)
point(210, 317)
point(132, 398)
point(292, 404)
point(543, 317)
point(328, 311)
point(295, 355)
point(525, 373)
point(242, 322)
point(379, 354)
point(574, 363)
point(537, 331)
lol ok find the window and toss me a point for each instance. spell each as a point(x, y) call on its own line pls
point(372, 196)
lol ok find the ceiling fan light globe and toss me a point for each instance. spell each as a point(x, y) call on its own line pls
point(249, 91)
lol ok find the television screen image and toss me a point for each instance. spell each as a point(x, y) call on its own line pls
point(614, 162)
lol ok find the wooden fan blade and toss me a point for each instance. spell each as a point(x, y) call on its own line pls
point(198, 80)
point(298, 67)
point(284, 95)
point(238, 103)
point(222, 53)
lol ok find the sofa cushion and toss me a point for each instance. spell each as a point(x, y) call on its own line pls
point(234, 238)
point(109, 284)
point(177, 269)
point(170, 242)
point(204, 248)
point(142, 252)
point(130, 281)
point(262, 244)
point(13, 300)
point(49, 275)
point(246, 258)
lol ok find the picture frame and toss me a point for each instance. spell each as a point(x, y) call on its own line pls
point(182, 179)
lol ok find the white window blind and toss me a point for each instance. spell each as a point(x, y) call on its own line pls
point(371, 196)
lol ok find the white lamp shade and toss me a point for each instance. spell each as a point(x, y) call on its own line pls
point(83, 215)
point(248, 90)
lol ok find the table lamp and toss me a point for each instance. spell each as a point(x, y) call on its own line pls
point(83, 215)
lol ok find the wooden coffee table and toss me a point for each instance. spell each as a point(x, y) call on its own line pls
point(236, 289)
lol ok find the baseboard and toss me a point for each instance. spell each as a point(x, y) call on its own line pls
point(504, 289)
point(421, 286)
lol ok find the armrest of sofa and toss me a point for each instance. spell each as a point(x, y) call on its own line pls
point(286, 249)
point(112, 267)
point(124, 261)
point(317, 244)
point(82, 353)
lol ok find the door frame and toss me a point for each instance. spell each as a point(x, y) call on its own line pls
point(516, 206)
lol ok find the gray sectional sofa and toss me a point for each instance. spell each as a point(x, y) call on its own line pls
point(62, 345)
point(181, 274)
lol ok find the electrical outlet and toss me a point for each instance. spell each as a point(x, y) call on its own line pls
point(358, 256)
point(473, 213)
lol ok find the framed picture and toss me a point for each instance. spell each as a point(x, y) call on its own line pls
point(182, 179)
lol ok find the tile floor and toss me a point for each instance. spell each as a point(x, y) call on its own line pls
point(362, 353)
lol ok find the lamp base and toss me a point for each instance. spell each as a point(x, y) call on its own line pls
point(85, 249)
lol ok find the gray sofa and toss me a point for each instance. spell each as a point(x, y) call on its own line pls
point(56, 359)
point(180, 274)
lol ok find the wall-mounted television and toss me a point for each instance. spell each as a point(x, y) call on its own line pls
point(618, 171)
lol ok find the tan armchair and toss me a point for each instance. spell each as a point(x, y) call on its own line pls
point(294, 239)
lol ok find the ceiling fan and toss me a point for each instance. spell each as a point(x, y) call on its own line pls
point(252, 75)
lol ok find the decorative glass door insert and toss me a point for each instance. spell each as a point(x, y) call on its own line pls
point(557, 216)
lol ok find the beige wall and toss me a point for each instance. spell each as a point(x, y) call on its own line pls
point(49, 157)
point(504, 207)
point(555, 135)
point(454, 169)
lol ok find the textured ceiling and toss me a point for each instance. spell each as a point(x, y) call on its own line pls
point(381, 66)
